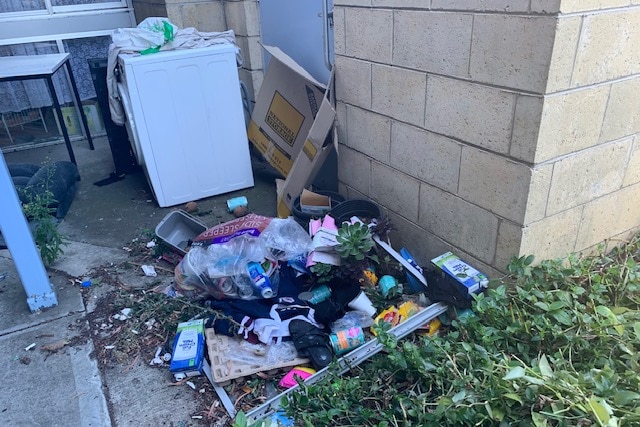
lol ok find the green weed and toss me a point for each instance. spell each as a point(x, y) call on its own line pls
point(553, 344)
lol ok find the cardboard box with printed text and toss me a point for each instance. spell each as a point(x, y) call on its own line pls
point(290, 125)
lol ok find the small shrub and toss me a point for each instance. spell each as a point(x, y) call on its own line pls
point(38, 210)
point(554, 344)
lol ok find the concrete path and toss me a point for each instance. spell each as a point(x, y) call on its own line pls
point(48, 369)
point(48, 375)
point(65, 387)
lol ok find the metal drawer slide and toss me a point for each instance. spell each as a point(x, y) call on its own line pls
point(345, 363)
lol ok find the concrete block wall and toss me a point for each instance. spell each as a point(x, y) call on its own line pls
point(205, 15)
point(148, 8)
point(590, 129)
point(242, 16)
point(492, 128)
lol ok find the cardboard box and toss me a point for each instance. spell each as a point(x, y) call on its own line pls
point(188, 349)
point(471, 280)
point(314, 204)
point(290, 124)
point(74, 126)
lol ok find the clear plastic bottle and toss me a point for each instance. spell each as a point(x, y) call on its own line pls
point(352, 319)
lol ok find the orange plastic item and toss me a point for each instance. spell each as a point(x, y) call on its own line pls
point(389, 315)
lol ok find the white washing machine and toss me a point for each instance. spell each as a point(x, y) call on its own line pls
point(186, 122)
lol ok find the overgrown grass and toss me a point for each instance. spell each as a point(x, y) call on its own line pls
point(554, 344)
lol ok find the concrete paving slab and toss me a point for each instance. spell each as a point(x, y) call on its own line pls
point(134, 280)
point(14, 311)
point(142, 396)
point(40, 388)
point(79, 258)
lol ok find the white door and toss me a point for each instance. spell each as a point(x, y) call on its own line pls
point(301, 29)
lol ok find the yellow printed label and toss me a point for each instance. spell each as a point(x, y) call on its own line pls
point(283, 209)
point(275, 155)
point(279, 159)
point(284, 119)
point(310, 150)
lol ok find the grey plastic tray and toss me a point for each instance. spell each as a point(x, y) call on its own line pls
point(178, 228)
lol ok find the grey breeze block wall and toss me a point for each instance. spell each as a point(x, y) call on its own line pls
point(241, 16)
point(492, 128)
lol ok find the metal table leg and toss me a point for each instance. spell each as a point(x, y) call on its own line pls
point(79, 102)
point(63, 125)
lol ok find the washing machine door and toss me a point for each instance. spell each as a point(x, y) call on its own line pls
point(130, 124)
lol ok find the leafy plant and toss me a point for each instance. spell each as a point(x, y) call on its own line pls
point(355, 247)
point(553, 344)
point(354, 241)
point(38, 209)
point(323, 272)
point(382, 227)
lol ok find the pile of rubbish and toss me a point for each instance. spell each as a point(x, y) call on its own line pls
point(284, 296)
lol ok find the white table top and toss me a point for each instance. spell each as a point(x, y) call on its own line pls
point(30, 65)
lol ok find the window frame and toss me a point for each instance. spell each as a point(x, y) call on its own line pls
point(57, 23)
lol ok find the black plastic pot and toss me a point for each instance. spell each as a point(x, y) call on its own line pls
point(357, 207)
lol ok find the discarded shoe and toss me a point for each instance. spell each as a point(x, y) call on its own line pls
point(311, 342)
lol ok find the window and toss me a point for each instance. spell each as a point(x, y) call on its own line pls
point(35, 27)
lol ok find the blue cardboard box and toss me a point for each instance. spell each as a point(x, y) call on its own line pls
point(188, 349)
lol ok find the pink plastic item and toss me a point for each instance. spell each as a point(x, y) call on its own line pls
point(289, 380)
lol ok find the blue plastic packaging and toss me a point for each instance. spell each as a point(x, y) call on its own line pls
point(414, 284)
point(260, 279)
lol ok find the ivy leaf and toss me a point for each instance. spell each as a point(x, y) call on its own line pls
point(620, 310)
point(489, 410)
point(599, 410)
point(333, 412)
point(498, 414)
point(613, 319)
point(513, 396)
point(542, 306)
point(624, 397)
point(556, 305)
point(545, 368)
point(241, 420)
point(539, 420)
point(533, 380)
point(563, 318)
point(459, 396)
point(515, 373)
point(626, 349)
